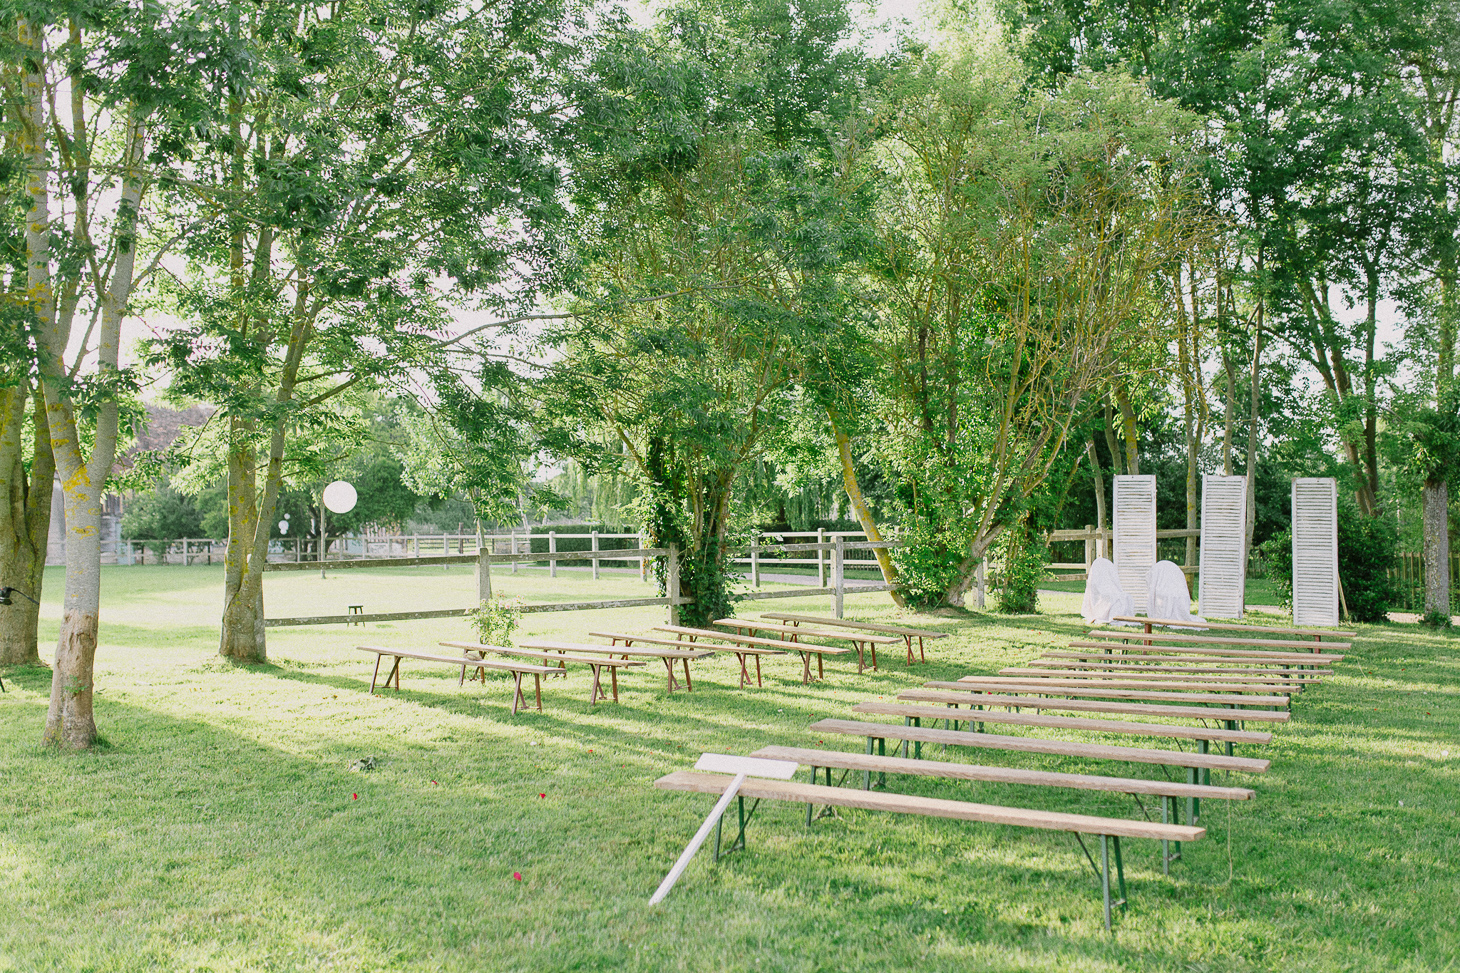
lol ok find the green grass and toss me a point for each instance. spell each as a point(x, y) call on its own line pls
point(219, 829)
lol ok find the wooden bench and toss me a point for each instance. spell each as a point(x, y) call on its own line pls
point(1218, 641)
point(1078, 687)
point(906, 634)
point(1210, 651)
point(975, 699)
point(666, 655)
point(1168, 791)
point(1296, 680)
point(1059, 748)
point(596, 663)
point(861, 641)
point(746, 647)
point(953, 716)
point(1144, 655)
point(517, 669)
point(1316, 634)
point(1110, 830)
point(1107, 663)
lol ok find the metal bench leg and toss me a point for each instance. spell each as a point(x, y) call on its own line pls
point(867, 774)
point(1106, 841)
point(1192, 804)
point(1204, 747)
point(809, 806)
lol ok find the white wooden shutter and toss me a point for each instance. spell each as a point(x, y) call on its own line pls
point(1223, 587)
point(1135, 534)
point(1315, 551)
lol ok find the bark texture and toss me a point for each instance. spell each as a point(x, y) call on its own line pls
point(1437, 546)
point(863, 512)
point(25, 517)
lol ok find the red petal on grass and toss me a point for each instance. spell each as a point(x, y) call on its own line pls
point(355, 796)
point(542, 795)
point(517, 875)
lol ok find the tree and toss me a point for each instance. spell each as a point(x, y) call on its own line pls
point(383, 160)
point(718, 226)
point(101, 101)
point(1023, 233)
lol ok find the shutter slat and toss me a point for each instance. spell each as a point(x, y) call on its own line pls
point(1222, 589)
point(1134, 530)
point(1315, 551)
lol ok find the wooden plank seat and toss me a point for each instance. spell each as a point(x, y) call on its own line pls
point(747, 647)
point(1144, 655)
point(1110, 830)
point(953, 716)
point(1217, 641)
point(975, 699)
point(861, 641)
point(596, 663)
point(1169, 792)
point(1108, 663)
point(1295, 681)
point(902, 631)
point(1111, 689)
point(1059, 748)
point(518, 670)
point(666, 655)
point(1317, 634)
point(1211, 651)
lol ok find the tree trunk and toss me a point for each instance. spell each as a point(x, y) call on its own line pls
point(1254, 414)
point(1437, 547)
point(1111, 442)
point(968, 569)
point(863, 512)
point(1230, 415)
point(25, 520)
point(70, 721)
point(1128, 432)
point(1099, 477)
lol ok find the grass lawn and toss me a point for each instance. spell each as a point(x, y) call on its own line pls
point(221, 829)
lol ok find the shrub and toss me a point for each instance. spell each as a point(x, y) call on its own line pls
point(496, 620)
point(1023, 569)
point(1366, 552)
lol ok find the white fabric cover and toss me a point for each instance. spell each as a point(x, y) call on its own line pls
point(1167, 595)
point(1104, 597)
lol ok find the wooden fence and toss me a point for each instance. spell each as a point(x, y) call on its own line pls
point(1097, 543)
point(1408, 575)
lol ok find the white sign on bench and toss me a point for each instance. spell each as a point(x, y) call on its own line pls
point(722, 763)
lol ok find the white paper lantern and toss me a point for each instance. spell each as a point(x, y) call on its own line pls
point(340, 497)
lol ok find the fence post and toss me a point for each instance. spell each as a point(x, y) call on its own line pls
point(838, 570)
point(552, 549)
point(512, 548)
point(820, 558)
point(671, 584)
point(595, 555)
point(1089, 546)
point(755, 561)
point(484, 574)
point(643, 561)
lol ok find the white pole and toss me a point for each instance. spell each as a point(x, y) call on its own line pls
point(697, 840)
point(595, 559)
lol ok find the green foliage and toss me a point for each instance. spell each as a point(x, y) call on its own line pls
point(1436, 619)
point(927, 565)
point(1367, 549)
point(1021, 568)
point(161, 514)
point(496, 620)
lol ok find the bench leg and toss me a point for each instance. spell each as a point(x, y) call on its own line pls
point(596, 690)
point(537, 686)
point(689, 686)
point(820, 668)
point(1192, 804)
point(613, 675)
point(744, 672)
point(758, 683)
point(375, 675)
point(861, 662)
point(867, 774)
point(1204, 746)
point(805, 668)
point(910, 659)
point(516, 691)
point(1170, 813)
point(874, 656)
point(1106, 841)
point(921, 654)
point(669, 670)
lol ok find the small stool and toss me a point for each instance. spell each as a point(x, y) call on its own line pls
point(357, 610)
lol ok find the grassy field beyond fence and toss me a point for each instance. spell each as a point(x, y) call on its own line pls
point(220, 827)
